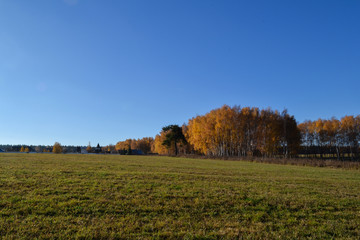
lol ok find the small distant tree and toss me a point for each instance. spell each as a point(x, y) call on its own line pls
point(89, 148)
point(57, 148)
point(22, 149)
point(26, 150)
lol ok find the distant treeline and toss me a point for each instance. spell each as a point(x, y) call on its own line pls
point(331, 138)
point(39, 148)
point(239, 132)
point(141, 146)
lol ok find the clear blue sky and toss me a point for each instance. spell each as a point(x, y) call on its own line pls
point(76, 71)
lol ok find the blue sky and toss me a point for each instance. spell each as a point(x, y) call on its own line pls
point(75, 71)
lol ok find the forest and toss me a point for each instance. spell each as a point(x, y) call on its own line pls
point(250, 131)
point(239, 132)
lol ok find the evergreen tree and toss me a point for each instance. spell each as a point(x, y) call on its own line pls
point(173, 136)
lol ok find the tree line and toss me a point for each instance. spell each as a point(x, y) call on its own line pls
point(331, 138)
point(235, 131)
point(38, 148)
point(249, 131)
point(238, 132)
point(135, 146)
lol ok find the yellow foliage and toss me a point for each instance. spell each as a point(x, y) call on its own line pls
point(143, 144)
point(57, 148)
point(158, 147)
point(239, 131)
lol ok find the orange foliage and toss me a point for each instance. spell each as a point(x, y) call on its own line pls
point(245, 131)
point(143, 144)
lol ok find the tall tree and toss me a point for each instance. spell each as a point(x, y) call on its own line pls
point(350, 135)
point(291, 135)
point(174, 135)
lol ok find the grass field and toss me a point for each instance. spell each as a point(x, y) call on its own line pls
point(141, 197)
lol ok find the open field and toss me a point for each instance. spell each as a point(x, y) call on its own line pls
point(141, 197)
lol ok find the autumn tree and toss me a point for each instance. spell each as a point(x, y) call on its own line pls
point(122, 146)
point(157, 146)
point(145, 144)
point(307, 136)
point(89, 148)
point(109, 149)
point(269, 132)
point(57, 148)
point(332, 136)
point(349, 129)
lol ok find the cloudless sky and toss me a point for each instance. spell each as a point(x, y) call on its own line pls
point(75, 71)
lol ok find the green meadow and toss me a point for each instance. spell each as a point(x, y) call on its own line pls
point(48, 196)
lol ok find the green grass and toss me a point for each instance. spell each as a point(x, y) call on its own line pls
point(141, 197)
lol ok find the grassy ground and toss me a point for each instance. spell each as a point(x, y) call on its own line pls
point(140, 197)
